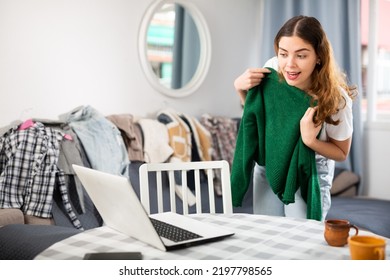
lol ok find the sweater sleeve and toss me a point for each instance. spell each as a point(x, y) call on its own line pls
point(247, 146)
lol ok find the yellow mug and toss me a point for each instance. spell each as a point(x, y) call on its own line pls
point(363, 247)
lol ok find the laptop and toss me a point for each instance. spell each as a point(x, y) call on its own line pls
point(121, 210)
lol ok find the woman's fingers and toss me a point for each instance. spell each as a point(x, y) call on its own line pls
point(252, 77)
point(310, 112)
point(249, 79)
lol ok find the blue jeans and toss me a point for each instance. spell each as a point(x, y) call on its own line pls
point(266, 202)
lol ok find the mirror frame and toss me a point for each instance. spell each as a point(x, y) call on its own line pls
point(205, 50)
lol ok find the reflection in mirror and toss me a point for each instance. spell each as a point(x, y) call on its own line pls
point(173, 45)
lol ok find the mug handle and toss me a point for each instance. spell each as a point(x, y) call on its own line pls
point(380, 253)
point(356, 229)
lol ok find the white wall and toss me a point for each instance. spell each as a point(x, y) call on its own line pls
point(377, 154)
point(58, 54)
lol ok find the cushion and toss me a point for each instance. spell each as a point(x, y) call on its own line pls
point(11, 216)
point(37, 220)
point(345, 183)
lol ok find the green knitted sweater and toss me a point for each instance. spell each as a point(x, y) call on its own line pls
point(269, 134)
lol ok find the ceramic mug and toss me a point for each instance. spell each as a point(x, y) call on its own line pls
point(337, 232)
point(367, 247)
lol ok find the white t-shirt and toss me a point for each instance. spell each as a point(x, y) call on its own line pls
point(339, 132)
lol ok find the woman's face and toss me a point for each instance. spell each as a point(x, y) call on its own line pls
point(297, 60)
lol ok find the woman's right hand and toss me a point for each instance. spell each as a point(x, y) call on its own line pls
point(249, 79)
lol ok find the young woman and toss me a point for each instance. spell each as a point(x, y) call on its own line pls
point(304, 59)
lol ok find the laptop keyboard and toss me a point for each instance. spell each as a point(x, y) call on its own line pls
point(172, 232)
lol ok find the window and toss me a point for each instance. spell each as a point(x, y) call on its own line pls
point(382, 64)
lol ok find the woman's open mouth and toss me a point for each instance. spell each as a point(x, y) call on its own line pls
point(292, 75)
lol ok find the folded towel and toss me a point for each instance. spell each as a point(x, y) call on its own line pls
point(269, 134)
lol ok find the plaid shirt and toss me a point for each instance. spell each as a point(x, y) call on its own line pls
point(223, 131)
point(29, 171)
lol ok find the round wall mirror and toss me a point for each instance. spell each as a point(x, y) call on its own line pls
point(174, 47)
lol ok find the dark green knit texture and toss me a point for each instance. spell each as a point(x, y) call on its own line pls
point(269, 134)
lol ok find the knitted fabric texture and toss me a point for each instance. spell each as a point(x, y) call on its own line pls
point(269, 134)
point(179, 135)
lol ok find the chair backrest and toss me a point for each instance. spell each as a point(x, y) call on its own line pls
point(204, 175)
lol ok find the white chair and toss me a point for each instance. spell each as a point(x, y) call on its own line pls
point(208, 167)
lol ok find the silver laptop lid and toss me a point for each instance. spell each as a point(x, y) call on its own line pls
point(118, 204)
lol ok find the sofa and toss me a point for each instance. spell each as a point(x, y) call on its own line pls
point(24, 236)
point(365, 212)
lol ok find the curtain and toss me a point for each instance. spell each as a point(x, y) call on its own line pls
point(186, 48)
point(341, 21)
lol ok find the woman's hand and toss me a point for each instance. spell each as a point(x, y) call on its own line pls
point(332, 149)
point(309, 130)
point(249, 79)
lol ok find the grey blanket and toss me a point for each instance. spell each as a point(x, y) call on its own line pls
point(367, 213)
point(25, 242)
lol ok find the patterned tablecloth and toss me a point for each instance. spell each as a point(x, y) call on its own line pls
point(256, 237)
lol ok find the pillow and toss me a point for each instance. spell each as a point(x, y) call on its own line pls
point(11, 216)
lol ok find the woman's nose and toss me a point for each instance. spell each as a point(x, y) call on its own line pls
point(290, 61)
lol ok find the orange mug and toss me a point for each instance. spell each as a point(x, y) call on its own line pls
point(337, 232)
point(367, 247)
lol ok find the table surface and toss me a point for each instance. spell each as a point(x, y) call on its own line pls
point(256, 237)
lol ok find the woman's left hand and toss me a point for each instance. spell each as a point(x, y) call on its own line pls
point(309, 130)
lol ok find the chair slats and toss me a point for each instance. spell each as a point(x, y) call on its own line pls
point(208, 168)
point(198, 193)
